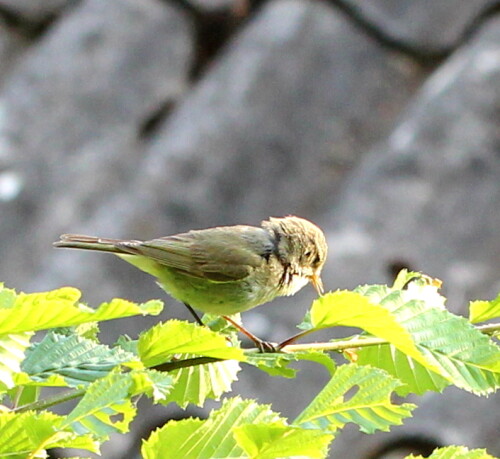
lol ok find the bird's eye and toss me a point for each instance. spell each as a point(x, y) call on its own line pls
point(308, 254)
point(316, 260)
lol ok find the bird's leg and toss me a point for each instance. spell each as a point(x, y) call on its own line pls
point(292, 339)
point(193, 313)
point(263, 346)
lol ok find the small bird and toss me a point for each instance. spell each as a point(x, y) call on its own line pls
point(226, 269)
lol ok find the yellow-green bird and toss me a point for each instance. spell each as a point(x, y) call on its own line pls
point(226, 269)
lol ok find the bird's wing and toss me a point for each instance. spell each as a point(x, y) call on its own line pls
point(220, 254)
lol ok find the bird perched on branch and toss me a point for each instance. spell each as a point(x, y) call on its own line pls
point(226, 269)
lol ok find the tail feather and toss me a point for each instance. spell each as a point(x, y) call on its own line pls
point(80, 241)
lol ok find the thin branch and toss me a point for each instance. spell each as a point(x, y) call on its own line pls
point(176, 364)
point(51, 401)
point(335, 346)
point(489, 329)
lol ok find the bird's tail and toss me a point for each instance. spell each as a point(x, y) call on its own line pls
point(78, 241)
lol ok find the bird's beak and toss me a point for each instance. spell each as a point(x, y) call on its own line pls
point(317, 283)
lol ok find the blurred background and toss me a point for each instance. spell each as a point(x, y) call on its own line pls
point(379, 120)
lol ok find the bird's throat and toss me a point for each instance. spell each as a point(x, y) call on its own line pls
point(292, 282)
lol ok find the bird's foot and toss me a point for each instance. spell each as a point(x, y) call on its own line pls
point(263, 346)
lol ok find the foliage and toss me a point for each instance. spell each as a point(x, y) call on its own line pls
point(409, 344)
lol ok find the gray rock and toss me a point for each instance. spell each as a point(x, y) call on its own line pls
point(35, 11)
point(71, 114)
point(280, 115)
point(12, 46)
point(430, 197)
point(268, 131)
point(430, 27)
point(217, 6)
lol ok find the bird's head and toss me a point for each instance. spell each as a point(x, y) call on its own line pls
point(301, 248)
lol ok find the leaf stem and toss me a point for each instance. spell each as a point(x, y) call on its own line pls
point(51, 401)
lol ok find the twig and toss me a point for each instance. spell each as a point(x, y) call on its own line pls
point(488, 329)
point(51, 401)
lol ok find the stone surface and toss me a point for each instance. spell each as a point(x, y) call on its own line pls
point(429, 197)
point(268, 131)
point(428, 26)
point(216, 6)
point(71, 114)
point(35, 10)
point(12, 46)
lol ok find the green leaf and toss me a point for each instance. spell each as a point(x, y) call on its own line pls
point(60, 308)
point(155, 384)
point(197, 383)
point(270, 441)
point(352, 309)
point(76, 359)
point(455, 452)
point(25, 433)
point(369, 407)
point(417, 378)
point(210, 438)
point(164, 340)
point(23, 395)
point(319, 357)
point(452, 347)
point(105, 408)
point(89, 330)
point(277, 364)
point(12, 349)
point(7, 297)
point(480, 311)
point(406, 279)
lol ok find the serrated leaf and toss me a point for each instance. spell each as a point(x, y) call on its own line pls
point(29, 432)
point(480, 311)
point(76, 359)
point(24, 379)
point(7, 297)
point(60, 308)
point(270, 441)
point(210, 438)
point(417, 378)
point(12, 348)
point(355, 310)
point(197, 383)
point(455, 452)
point(406, 280)
point(455, 350)
point(105, 408)
point(370, 407)
point(319, 357)
point(89, 330)
point(127, 344)
point(155, 384)
point(276, 364)
point(164, 340)
point(24, 395)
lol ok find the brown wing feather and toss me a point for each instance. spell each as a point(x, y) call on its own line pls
point(219, 254)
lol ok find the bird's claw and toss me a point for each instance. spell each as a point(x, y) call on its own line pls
point(265, 347)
